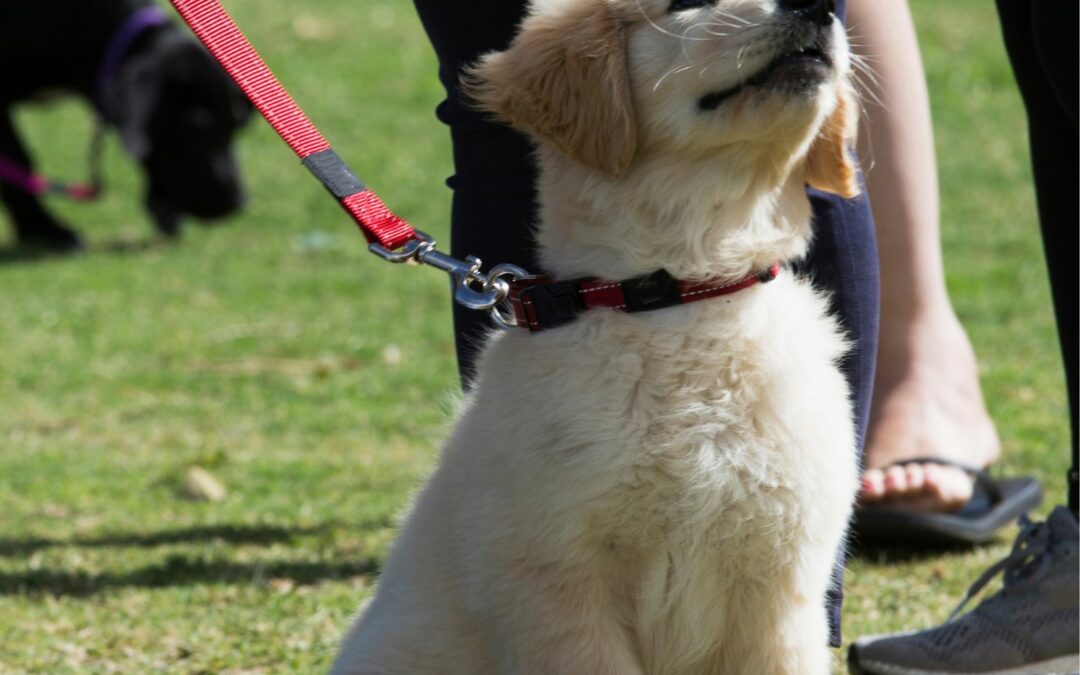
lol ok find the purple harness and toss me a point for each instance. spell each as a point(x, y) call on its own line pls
point(23, 178)
point(134, 26)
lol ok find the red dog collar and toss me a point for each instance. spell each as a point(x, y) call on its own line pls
point(539, 303)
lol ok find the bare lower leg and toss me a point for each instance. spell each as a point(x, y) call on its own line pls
point(927, 403)
point(927, 400)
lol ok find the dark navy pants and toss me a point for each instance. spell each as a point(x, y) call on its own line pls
point(1041, 39)
point(494, 205)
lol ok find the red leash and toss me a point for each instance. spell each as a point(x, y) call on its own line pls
point(389, 236)
point(509, 293)
point(213, 25)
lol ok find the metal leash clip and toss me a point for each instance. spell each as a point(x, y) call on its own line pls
point(472, 288)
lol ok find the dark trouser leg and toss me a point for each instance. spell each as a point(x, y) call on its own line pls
point(493, 184)
point(494, 204)
point(843, 261)
point(1041, 39)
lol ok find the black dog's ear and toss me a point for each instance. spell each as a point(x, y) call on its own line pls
point(196, 69)
point(133, 97)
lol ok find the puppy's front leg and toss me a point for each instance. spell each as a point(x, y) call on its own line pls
point(557, 621)
point(798, 646)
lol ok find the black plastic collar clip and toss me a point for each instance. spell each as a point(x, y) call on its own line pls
point(553, 305)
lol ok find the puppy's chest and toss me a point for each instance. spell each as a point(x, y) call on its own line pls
point(724, 424)
point(697, 446)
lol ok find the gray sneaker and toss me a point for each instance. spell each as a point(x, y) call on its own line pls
point(1032, 625)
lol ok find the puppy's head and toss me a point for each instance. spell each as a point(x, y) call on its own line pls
point(177, 112)
point(606, 80)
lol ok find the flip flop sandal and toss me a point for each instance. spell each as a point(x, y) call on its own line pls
point(994, 503)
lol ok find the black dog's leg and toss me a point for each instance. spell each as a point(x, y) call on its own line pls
point(167, 219)
point(34, 225)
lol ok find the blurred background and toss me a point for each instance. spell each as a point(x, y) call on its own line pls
point(312, 382)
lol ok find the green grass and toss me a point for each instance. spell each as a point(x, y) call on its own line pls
point(257, 349)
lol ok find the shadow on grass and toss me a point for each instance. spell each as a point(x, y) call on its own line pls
point(18, 254)
point(882, 553)
point(333, 560)
point(130, 246)
point(180, 570)
point(234, 534)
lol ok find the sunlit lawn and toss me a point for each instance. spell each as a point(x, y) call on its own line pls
point(315, 381)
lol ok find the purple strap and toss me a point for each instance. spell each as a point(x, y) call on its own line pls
point(22, 178)
point(36, 184)
point(17, 175)
point(133, 26)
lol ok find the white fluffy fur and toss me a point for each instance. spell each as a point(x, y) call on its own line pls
point(659, 493)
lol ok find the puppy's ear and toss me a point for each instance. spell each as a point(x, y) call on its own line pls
point(564, 78)
point(829, 166)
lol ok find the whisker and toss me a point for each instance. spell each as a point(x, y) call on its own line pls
point(673, 71)
point(743, 21)
point(868, 87)
point(727, 24)
point(867, 79)
point(663, 30)
point(681, 69)
point(739, 57)
point(867, 74)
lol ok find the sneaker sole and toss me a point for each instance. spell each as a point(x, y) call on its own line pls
point(1068, 665)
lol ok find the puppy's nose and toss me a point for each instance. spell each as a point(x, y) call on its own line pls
point(818, 11)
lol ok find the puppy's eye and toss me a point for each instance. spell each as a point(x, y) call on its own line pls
point(680, 5)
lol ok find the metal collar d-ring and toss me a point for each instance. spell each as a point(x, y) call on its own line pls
point(471, 287)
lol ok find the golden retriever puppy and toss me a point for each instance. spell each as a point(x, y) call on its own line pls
point(660, 492)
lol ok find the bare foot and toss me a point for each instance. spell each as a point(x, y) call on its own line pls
point(927, 403)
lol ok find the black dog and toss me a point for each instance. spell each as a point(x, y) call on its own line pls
point(175, 108)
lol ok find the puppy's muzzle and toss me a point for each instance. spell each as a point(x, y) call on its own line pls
point(807, 60)
point(818, 11)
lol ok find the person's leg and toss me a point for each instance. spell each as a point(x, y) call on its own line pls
point(493, 184)
point(927, 400)
point(1041, 40)
point(494, 208)
point(843, 262)
point(1032, 623)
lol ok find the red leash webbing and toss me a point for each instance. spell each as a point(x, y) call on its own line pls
point(538, 303)
point(216, 29)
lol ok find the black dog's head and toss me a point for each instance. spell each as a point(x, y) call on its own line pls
point(177, 112)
